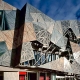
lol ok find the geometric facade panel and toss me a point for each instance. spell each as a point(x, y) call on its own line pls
point(10, 16)
point(54, 65)
point(77, 57)
point(41, 28)
point(6, 6)
point(7, 19)
point(26, 52)
point(78, 24)
point(61, 64)
point(29, 33)
point(8, 35)
point(75, 47)
point(65, 26)
point(42, 24)
point(75, 27)
point(42, 35)
point(3, 47)
point(5, 58)
point(75, 67)
point(8, 38)
point(57, 36)
point(37, 27)
point(71, 24)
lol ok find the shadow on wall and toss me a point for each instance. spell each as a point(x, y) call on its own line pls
point(18, 37)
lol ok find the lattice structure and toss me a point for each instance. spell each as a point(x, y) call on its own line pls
point(42, 22)
point(5, 58)
point(27, 52)
point(65, 26)
point(73, 25)
point(43, 36)
point(78, 24)
point(75, 28)
point(40, 29)
point(57, 36)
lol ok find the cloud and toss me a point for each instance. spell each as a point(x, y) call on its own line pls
point(56, 9)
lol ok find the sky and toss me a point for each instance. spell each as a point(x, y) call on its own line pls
point(56, 9)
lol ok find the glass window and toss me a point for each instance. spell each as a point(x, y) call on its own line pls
point(27, 62)
point(1, 13)
point(49, 57)
point(53, 57)
point(57, 56)
point(43, 59)
point(37, 56)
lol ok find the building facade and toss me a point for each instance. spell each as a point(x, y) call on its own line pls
point(44, 48)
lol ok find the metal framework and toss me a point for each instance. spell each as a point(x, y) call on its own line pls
point(23, 34)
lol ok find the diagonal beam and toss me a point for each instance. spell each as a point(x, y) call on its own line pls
point(47, 56)
point(42, 55)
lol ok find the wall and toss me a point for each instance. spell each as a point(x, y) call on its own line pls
point(11, 75)
point(53, 77)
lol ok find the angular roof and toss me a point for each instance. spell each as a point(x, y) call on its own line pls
point(61, 64)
